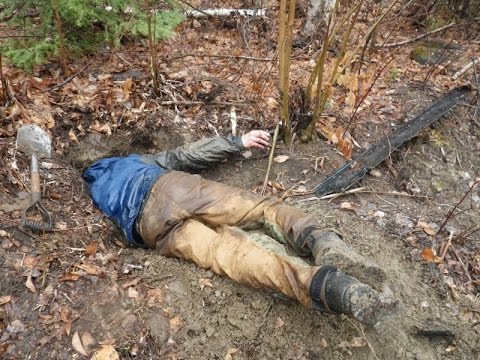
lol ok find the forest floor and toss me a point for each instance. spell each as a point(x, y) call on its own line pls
point(77, 292)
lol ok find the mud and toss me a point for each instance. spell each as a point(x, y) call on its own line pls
point(149, 306)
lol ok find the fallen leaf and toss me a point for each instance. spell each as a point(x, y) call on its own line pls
point(77, 344)
point(156, 296)
point(88, 341)
point(350, 99)
point(279, 323)
point(102, 128)
point(355, 342)
point(281, 158)
point(451, 348)
point(69, 277)
point(29, 284)
point(429, 256)
point(276, 185)
point(72, 136)
point(133, 282)
point(65, 314)
point(107, 352)
point(61, 225)
point(176, 323)
point(5, 299)
point(247, 154)
point(30, 262)
point(230, 353)
point(427, 228)
point(89, 269)
point(348, 206)
point(91, 248)
point(205, 282)
point(132, 293)
point(68, 328)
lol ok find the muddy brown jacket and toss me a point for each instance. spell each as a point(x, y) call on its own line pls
point(119, 185)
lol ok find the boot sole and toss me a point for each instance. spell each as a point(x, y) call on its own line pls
point(370, 307)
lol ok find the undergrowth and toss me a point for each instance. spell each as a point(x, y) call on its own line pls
point(44, 29)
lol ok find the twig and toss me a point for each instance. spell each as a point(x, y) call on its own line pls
point(74, 228)
point(465, 269)
point(226, 12)
point(415, 39)
point(233, 121)
point(21, 36)
point(475, 75)
point(445, 249)
point(357, 106)
point(348, 192)
point(5, 93)
point(270, 158)
point(70, 78)
point(463, 70)
point(193, 103)
point(361, 191)
point(241, 57)
point(360, 330)
point(194, 8)
point(62, 52)
point(450, 214)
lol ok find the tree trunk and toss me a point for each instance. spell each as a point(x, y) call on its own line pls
point(317, 15)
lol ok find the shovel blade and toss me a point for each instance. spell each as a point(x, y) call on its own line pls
point(32, 139)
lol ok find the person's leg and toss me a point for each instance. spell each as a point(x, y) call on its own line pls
point(228, 251)
point(177, 196)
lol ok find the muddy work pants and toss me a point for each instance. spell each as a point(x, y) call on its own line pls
point(204, 221)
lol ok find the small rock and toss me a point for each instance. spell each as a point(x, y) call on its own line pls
point(177, 287)
point(209, 331)
point(257, 305)
point(16, 327)
point(23, 195)
point(159, 327)
point(403, 221)
point(475, 198)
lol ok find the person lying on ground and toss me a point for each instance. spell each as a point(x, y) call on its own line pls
point(158, 203)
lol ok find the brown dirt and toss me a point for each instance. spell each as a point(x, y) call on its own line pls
point(80, 279)
point(150, 306)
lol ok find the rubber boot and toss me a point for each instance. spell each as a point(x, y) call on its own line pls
point(333, 291)
point(329, 249)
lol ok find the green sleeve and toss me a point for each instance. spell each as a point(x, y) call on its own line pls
point(198, 155)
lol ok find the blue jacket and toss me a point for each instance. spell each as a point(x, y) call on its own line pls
point(118, 187)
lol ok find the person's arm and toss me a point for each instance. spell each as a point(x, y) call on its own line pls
point(201, 154)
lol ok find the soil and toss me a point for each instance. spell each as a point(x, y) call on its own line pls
point(155, 307)
point(67, 293)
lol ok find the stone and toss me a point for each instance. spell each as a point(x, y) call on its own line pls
point(16, 327)
point(159, 327)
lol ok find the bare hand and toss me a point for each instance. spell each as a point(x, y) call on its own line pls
point(256, 138)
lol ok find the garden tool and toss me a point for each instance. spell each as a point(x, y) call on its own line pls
point(33, 140)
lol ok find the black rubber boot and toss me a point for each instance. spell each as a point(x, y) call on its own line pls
point(329, 249)
point(333, 291)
